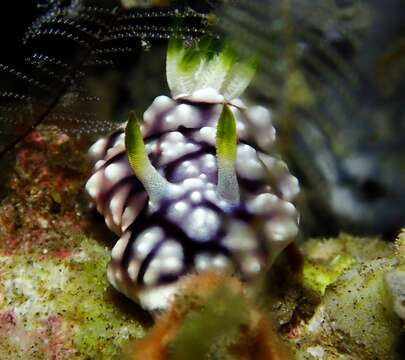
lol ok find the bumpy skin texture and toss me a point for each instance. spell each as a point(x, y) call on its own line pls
point(193, 229)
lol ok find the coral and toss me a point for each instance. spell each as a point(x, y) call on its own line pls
point(354, 316)
point(59, 307)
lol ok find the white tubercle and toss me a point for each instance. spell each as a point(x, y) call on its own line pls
point(186, 115)
point(116, 171)
point(157, 298)
point(207, 95)
point(120, 246)
point(202, 224)
point(146, 241)
point(240, 237)
point(160, 104)
point(133, 269)
point(248, 164)
point(263, 204)
point(259, 116)
point(167, 260)
point(251, 265)
point(93, 185)
point(132, 210)
point(208, 134)
point(97, 150)
point(207, 262)
point(281, 230)
point(178, 210)
point(117, 203)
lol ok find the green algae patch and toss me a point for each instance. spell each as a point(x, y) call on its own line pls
point(325, 260)
point(318, 276)
point(355, 317)
point(59, 306)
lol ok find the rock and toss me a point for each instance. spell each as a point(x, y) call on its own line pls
point(55, 300)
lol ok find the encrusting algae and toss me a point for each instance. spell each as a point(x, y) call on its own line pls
point(55, 301)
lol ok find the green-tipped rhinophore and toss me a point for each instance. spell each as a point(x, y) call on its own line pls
point(199, 67)
point(154, 183)
point(226, 146)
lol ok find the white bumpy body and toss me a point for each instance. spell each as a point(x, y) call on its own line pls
point(193, 229)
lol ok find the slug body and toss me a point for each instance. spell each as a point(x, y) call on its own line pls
point(191, 198)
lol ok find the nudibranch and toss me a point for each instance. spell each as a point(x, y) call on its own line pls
point(193, 188)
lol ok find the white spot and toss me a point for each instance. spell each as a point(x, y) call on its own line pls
point(202, 224)
point(281, 229)
point(209, 162)
point(168, 259)
point(117, 203)
point(109, 222)
point(120, 246)
point(170, 121)
point(120, 140)
point(174, 136)
point(221, 263)
point(133, 269)
point(97, 150)
point(111, 277)
point(240, 125)
point(149, 115)
point(157, 298)
point(288, 207)
point(116, 171)
point(178, 211)
point(259, 116)
point(99, 164)
point(132, 210)
point(187, 115)
point(196, 197)
point(208, 134)
point(247, 163)
point(160, 104)
point(171, 265)
point(191, 171)
point(190, 147)
point(263, 204)
point(151, 274)
point(211, 195)
point(146, 241)
point(289, 187)
point(174, 146)
point(93, 185)
point(111, 152)
point(240, 237)
point(202, 262)
point(168, 249)
point(163, 103)
point(192, 183)
point(209, 95)
point(245, 151)
point(207, 262)
point(118, 276)
point(251, 265)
